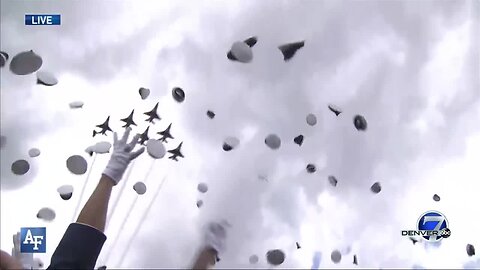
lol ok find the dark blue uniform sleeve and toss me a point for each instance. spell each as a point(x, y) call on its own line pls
point(79, 248)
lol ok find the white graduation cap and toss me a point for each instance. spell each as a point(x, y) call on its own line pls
point(253, 259)
point(46, 214)
point(275, 256)
point(273, 141)
point(3, 58)
point(140, 188)
point(230, 143)
point(46, 78)
point(155, 149)
point(77, 165)
point(102, 147)
point(144, 92)
point(66, 192)
point(376, 187)
point(332, 180)
point(311, 119)
point(202, 187)
point(25, 63)
point(242, 52)
point(34, 152)
point(336, 256)
point(76, 104)
point(20, 167)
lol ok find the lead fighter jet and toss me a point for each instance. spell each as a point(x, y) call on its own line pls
point(144, 136)
point(152, 115)
point(104, 128)
point(176, 152)
point(129, 120)
point(165, 134)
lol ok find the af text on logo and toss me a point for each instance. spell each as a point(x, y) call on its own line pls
point(33, 240)
point(432, 226)
point(42, 19)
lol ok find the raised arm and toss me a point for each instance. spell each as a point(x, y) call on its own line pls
point(82, 242)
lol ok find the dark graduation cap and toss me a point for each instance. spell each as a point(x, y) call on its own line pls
point(360, 122)
point(355, 261)
point(436, 197)
point(376, 187)
point(470, 250)
point(311, 168)
point(288, 50)
point(25, 63)
point(178, 94)
point(3, 58)
point(210, 114)
point(334, 109)
point(20, 167)
point(298, 140)
point(275, 256)
point(251, 41)
point(332, 180)
point(298, 245)
point(144, 136)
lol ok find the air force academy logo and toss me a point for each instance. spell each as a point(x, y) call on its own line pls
point(33, 240)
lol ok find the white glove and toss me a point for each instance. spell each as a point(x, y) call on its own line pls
point(122, 156)
point(215, 236)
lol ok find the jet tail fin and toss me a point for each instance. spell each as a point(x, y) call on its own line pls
point(94, 133)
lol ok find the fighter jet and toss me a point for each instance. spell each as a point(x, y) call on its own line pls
point(104, 128)
point(176, 152)
point(129, 120)
point(152, 115)
point(165, 134)
point(144, 136)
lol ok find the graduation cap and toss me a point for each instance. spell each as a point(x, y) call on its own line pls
point(275, 257)
point(76, 164)
point(332, 180)
point(102, 147)
point(311, 119)
point(240, 52)
point(360, 123)
point(3, 58)
point(46, 214)
point(355, 261)
point(20, 167)
point(251, 41)
point(178, 94)
point(46, 78)
point(288, 50)
point(76, 104)
point(253, 259)
point(34, 152)
point(230, 143)
point(298, 245)
point(436, 198)
point(25, 63)
point(470, 250)
point(376, 188)
point(156, 149)
point(144, 92)
point(66, 192)
point(273, 141)
point(202, 187)
point(140, 188)
point(336, 110)
point(336, 256)
point(311, 168)
point(199, 203)
point(210, 114)
point(298, 140)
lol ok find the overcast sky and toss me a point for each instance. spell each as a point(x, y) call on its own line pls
point(410, 67)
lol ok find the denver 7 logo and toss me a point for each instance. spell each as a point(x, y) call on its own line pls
point(433, 221)
point(33, 240)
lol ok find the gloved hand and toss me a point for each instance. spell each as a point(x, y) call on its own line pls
point(215, 236)
point(122, 156)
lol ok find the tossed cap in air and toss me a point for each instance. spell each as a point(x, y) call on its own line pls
point(240, 52)
point(311, 119)
point(230, 143)
point(199, 203)
point(355, 260)
point(470, 250)
point(76, 104)
point(210, 114)
point(140, 188)
point(436, 198)
point(336, 256)
point(66, 192)
point(311, 168)
point(144, 92)
point(76, 164)
point(332, 180)
point(202, 188)
point(376, 187)
point(46, 78)
point(251, 41)
point(298, 140)
point(298, 245)
point(360, 123)
point(26, 62)
point(156, 149)
point(34, 152)
point(46, 214)
point(102, 147)
point(288, 50)
point(3, 58)
point(275, 257)
point(335, 109)
point(253, 259)
point(178, 94)
point(273, 141)
point(20, 167)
